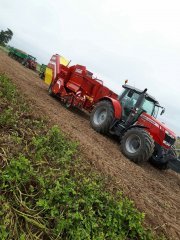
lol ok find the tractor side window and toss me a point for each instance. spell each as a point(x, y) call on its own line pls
point(148, 106)
point(130, 99)
point(128, 102)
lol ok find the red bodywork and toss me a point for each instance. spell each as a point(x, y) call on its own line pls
point(32, 64)
point(76, 86)
point(156, 128)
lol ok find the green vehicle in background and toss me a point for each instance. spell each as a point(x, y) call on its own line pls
point(17, 54)
point(22, 57)
point(42, 71)
point(30, 62)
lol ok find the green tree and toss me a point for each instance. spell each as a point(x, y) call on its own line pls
point(5, 36)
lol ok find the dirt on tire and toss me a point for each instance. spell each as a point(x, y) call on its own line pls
point(155, 192)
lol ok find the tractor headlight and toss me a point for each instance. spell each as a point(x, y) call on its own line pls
point(169, 139)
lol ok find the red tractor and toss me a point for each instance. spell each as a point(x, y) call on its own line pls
point(30, 62)
point(131, 116)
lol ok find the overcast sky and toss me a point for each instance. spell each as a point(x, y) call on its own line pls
point(136, 40)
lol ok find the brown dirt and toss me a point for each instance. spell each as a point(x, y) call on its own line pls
point(157, 193)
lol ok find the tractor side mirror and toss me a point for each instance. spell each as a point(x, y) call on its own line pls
point(163, 111)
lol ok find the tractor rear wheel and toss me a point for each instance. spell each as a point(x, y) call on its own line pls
point(102, 116)
point(137, 145)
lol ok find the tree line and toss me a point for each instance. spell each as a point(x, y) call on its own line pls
point(5, 36)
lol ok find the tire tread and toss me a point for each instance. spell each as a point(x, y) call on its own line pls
point(148, 145)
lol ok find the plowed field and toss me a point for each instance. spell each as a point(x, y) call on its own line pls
point(157, 193)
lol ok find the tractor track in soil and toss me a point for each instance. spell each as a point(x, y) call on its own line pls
point(157, 193)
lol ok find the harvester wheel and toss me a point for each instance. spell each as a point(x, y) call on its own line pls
point(137, 145)
point(41, 75)
point(50, 92)
point(68, 104)
point(102, 116)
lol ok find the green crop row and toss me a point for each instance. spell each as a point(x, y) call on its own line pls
point(46, 191)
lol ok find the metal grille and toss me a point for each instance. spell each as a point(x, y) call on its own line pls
point(169, 139)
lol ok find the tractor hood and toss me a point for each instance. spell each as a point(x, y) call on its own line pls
point(160, 132)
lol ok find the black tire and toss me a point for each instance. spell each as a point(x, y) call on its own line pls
point(68, 104)
point(41, 75)
point(102, 116)
point(171, 161)
point(137, 145)
point(164, 166)
point(50, 92)
point(160, 165)
point(172, 153)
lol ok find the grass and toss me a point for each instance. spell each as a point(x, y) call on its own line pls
point(46, 191)
point(5, 49)
point(177, 144)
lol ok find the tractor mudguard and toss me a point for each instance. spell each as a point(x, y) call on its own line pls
point(116, 105)
point(137, 126)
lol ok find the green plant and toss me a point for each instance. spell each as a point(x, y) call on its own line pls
point(8, 118)
point(7, 89)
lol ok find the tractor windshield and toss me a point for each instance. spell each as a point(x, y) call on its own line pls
point(31, 58)
point(130, 96)
point(148, 106)
point(129, 99)
point(151, 108)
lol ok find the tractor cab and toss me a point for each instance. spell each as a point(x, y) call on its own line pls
point(31, 58)
point(130, 99)
point(30, 62)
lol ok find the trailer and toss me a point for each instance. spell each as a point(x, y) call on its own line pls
point(17, 54)
point(130, 116)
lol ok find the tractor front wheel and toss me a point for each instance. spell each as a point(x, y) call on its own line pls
point(102, 116)
point(137, 145)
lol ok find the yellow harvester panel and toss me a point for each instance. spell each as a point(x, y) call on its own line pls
point(48, 75)
point(63, 61)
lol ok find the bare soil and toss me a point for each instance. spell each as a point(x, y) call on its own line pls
point(155, 192)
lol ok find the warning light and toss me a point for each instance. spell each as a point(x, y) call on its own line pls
point(126, 81)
